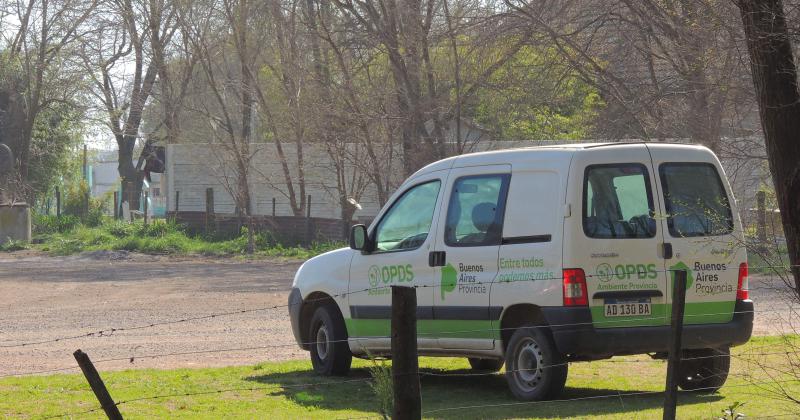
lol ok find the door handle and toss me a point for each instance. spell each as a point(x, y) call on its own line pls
point(666, 250)
point(437, 258)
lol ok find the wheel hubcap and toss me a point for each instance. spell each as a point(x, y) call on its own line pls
point(322, 342)
point(529, 365)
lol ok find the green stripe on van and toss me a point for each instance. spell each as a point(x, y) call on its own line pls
point(433, 328)
point(696, 313)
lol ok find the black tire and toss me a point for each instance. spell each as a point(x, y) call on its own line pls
point(704, 370)
point(485, 365)
point(330, 353)
point(535, 370)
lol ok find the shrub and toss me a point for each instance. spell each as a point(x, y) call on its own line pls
point(74, 202)
point(120, 229)
point(45, 223)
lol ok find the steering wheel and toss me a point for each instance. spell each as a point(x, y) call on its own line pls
point(412, 241)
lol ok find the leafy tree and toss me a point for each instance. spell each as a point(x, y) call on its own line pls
point(55, 156)
point(534, 98)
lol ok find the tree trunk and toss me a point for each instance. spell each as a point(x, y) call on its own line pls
point(775, 80)
point(130, 176)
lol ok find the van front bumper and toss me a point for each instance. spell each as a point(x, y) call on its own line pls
point(575, 335)
point(295, 307)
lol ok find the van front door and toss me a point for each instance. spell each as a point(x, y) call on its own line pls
point(699, 227)
point(403, 237)
point(617, 238)
point(469, 235)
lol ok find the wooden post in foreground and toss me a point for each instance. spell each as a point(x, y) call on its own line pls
point(405, 362)
point(674, 361)
point(98, 387)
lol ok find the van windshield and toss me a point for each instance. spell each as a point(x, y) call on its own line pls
point(618, 202)
point(695, 200)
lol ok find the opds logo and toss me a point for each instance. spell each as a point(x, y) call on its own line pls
point(389, 274)
point(374, 275)
point(606, 272)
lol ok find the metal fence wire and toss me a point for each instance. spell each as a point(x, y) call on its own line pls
point(111, 331)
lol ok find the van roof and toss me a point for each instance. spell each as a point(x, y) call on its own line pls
point(548, 151)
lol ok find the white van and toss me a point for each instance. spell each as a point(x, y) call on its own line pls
point(538, 257)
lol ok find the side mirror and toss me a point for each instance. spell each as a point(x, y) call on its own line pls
point(358, 238)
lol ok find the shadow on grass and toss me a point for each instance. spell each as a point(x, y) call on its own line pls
point(452, 396)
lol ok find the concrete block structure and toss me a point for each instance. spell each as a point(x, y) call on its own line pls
point(15, 222)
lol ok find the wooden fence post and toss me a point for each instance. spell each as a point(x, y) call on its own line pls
point(146, 206)
point(177, 205)
point(761, 218)
point(58, 202)
point(405, 363)
point(308, 235)
point(209, 207)
point(86, 202)
point(674, 361)
point(97, 385)
point(130, 200)
point(114, 204)
point(273, 206)
point(86, 178)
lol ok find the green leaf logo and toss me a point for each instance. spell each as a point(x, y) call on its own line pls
point(689, 277)
point(449, 279)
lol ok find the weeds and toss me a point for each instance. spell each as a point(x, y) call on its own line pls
point(382, 385)
point(731, 413)
point(13, 245)
point(67, 235)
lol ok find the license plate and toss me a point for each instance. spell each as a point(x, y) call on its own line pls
point(627, 309)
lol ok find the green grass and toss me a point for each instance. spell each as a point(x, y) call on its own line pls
point(270, 390)
point(68, 236)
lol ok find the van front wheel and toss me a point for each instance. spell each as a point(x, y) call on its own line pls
point(535, 370)
point(330, 353)
point(704, 370)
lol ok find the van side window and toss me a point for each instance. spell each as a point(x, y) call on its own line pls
point(695, 200)
point(475, 212)
point(406, 225)
point(617, 202)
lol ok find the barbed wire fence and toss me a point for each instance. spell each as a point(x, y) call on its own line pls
point(774, 380)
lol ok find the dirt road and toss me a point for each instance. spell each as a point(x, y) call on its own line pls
point(42, 298)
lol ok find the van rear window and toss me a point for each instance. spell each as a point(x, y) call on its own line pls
point(617, 202)
point(695, 200)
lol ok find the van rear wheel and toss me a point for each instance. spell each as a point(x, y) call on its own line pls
point(330, 353)
point(535, 370)
point(704, 370)
point(485, 365)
